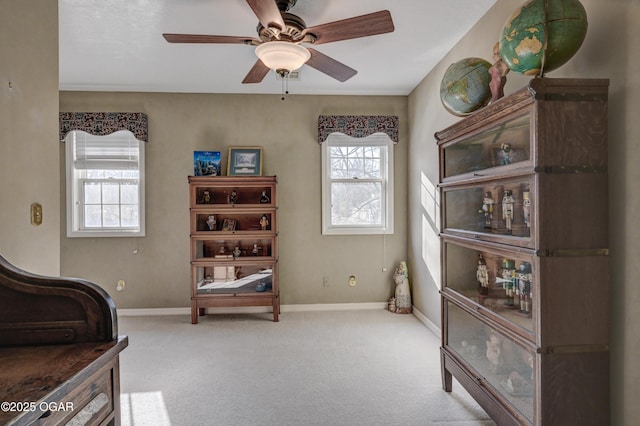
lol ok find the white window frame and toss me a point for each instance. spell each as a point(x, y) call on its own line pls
point(75, 181)
point(386, 144)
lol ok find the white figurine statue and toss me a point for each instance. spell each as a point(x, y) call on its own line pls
point(507, 209)
point(211, 223)
point(494, 353)
point(487, 209)
point(403, 292)
point(526, 208)
point(482, 275)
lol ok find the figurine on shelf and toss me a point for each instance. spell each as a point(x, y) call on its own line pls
point(222, 252)
point(524, 287)
point(507, 209)
point(482, 274)
point(255, 250)
point(233, 197)
point(264, 222)
point(487, 209)
point(211, 223)
point(206, 197)
point(236, 252)
point(469, 350)
point(508, 278)
point(264, 198)
point(494, 353)
point(517, 385)
point(505, 153)
point(498, 72)
point(402, 292)
point(526, 208)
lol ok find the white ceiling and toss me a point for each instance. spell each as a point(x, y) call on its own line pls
point(117, 45)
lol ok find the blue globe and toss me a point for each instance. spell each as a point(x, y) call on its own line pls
point(465, 86)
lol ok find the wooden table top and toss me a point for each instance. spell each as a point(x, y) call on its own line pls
point(47, 373)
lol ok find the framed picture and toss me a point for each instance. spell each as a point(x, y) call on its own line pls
point(229, 225)
point(245, 161)
point(206, 163)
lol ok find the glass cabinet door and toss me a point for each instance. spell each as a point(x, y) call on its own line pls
point(505, 365)
point(504, 144)
point(487, 210)
point(243, 249)
point(219, 195)
point(229, 278)
point(502, 282)
point(237, 221)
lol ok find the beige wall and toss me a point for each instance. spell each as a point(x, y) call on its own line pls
point(158, 276)
point(29, 164)
point(609, 51)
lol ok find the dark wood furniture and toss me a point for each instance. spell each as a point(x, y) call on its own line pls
point(234, 261)
point(525, 268)
point(59, 351)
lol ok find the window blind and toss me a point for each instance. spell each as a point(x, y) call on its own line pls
point(121, 151)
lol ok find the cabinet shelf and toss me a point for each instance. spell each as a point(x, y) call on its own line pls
point(258, 261)
point(501, 362)
point(234, 243)
point(524, 243)
point(495, 210)
point(233, 234)
point(226, 206)
point(495, 278)
point(500, 149)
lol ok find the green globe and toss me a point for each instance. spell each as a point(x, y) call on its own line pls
point(522, 43)
point(465, 86)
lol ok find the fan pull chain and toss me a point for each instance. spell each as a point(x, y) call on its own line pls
point(283, 78)
point(285, 85)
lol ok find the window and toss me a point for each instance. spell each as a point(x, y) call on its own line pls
point(105, 185)
point(357, 185)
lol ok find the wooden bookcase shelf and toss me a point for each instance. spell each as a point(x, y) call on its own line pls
point(234, 243)
point(525, 267)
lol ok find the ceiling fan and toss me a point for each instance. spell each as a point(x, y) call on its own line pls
point(281, 35)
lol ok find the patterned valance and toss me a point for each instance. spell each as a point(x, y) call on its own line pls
point(357, 126)
point(104, 123)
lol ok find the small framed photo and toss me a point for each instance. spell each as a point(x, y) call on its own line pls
point(245, 161)
point(229, 225)
point(206, 163)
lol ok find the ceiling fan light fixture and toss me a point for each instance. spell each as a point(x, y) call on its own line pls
point(282, 56)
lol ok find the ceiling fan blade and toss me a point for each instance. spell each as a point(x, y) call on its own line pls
point(197, 38)
point(256, 73)
point(267, 12)
point(330, 66)
point(358, 26)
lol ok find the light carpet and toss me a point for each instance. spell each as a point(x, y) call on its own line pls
point(367, 367)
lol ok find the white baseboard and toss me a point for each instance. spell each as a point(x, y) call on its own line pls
point(319, 307)
point(427, 322)
point(153, 312)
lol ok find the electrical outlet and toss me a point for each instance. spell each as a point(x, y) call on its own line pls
point(121, 285)
point(352, 281)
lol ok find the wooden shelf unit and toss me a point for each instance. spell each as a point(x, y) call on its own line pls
point(525, 267)
point(234, 262)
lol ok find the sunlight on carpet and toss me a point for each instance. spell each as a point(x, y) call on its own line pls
point(143, 408)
